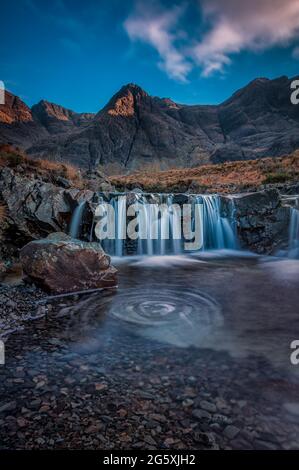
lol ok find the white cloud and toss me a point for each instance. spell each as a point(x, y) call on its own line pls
point(236, 26)
point(156, 29)
point(231, 26)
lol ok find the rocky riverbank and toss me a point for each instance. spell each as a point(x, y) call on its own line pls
point(19, 304)
point(76, 379)
point(65, 387)
point(35, 209)
point(262, 220)
point(38, 198)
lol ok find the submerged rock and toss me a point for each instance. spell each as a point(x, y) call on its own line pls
point(60, 264)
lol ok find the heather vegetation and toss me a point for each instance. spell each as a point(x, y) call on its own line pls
point(46, 169)
point(226, 177)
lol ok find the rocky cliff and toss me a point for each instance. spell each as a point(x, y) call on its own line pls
point(57, 119)
point(35, 208)
point(262, 220)
point(135, 129)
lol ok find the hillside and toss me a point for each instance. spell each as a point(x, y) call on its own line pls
point(229, 177)
point(135, 129)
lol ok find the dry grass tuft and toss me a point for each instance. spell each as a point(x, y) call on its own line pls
point(48, 170)
point(224, 177)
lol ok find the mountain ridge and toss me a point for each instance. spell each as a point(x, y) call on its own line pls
point(135, 129)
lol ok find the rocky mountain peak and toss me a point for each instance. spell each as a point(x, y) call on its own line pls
point(57, 119)
point(135, 129)
point(134, 88)
point(169, 103)
point(125, 101)
point(14, 110)
point(45, 109)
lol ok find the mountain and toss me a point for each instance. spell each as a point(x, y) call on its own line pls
point(14, 110)
point(135, 129)
point(17, 125)
point(57, 119)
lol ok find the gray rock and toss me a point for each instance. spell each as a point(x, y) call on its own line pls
point(60, 264)
point(262, 220)
point(201, 414)
point(292, 408)
point(264, 445)
point(208, 406)
point(36, 208)
point(9, 406)
point(231, 431)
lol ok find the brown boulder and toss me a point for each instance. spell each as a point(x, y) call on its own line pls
point(60, 264)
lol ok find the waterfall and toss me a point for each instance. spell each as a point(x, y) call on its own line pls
point(168, 217)
point(77, 220)
point(161, 221)
point(219, 232)
point(293, 251)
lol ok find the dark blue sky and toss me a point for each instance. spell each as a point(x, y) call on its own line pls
point(79, 54)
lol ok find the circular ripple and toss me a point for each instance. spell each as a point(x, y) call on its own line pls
point(166, 306)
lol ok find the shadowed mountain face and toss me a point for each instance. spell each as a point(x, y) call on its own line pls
point(135, 129)
point(57, 119)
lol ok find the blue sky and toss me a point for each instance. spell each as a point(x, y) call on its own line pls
point(79, 54)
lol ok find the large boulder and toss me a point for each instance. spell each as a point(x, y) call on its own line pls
point(262, 221)
point(35, 209)
point(60, 264)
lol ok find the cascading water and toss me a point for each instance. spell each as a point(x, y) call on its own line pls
point(168, 217)
point(293, 251)
point(77, 220)
point(218, 231)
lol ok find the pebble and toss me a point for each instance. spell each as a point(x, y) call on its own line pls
point(113, 396)
point(10, 406)
point(201, 414)
point(208, 406)
point(231, 431)
point(292, 408)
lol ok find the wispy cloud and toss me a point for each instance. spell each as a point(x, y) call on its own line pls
point(237, 26)
point(231, 26)
point(157, 29)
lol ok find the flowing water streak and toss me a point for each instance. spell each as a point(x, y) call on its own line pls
point(162, 222)
point(77, 220)
point(175, 227)
point(293, 251)
point(219, 232)
point(120, 216)
point(161, 211)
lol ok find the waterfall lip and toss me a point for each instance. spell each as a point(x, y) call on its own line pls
point(125, 193)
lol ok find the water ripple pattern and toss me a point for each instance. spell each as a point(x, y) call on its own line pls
point(169, 314)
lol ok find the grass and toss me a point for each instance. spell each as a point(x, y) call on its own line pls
point(229, 177)
point(226, 177)
point(46, 169)
point(273, 178)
